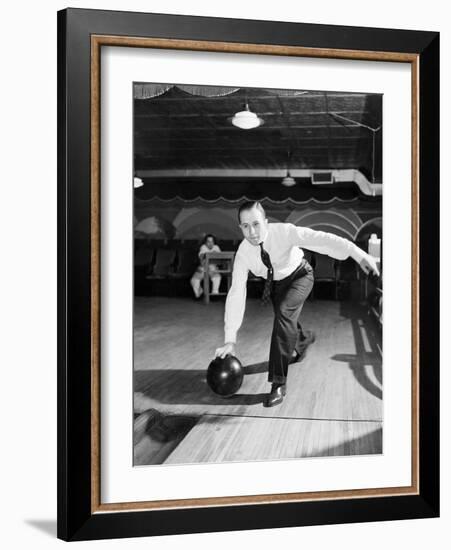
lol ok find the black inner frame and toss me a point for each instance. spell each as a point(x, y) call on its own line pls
point(75, 521)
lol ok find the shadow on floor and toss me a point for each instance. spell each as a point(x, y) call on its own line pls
point(189, 387)
point(368, 444)
point(47, 526)
point(156, 435)
point(357, 362)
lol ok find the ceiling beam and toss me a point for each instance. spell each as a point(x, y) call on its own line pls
point(232, 129)
point(269, 94)
point(340, 175)
point(260, 113)
point(181, 144)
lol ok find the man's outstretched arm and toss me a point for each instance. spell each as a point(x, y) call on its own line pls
point(234, 307)
point(332, 245)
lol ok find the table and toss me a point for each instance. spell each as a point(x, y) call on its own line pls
point(225, 261)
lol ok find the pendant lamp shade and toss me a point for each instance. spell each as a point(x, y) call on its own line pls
point(246, 120)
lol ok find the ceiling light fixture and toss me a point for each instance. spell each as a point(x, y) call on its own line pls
point(246, 120)
point(288, 180)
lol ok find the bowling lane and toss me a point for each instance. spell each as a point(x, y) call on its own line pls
point(237, 439)
point(340, 377)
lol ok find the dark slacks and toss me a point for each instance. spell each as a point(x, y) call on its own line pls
point(288, 297)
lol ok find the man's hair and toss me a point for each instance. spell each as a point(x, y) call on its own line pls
point(248, 205)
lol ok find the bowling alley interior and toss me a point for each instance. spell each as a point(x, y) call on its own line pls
point(312, 158)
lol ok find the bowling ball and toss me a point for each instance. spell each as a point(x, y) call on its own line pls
point(225, 376)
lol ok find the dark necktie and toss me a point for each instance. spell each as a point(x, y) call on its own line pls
point(269, 276)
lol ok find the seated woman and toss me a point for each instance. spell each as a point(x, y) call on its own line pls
point(208, 245)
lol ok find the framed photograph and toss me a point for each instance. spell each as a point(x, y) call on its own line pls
point(248, 274)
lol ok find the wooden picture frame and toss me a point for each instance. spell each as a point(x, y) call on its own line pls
point(81, 35)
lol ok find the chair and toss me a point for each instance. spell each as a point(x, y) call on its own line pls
point(142, 263)
point(325, 271)
point(187, 262)
point(185, 265)
point(347, 278)
point(143, 258)
point(164, 262)
point(163, 267)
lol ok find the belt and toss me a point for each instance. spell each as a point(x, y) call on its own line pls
point(301, 271)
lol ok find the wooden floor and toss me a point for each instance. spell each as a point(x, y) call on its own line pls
point(333, 405)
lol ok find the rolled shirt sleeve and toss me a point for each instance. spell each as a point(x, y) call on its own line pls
point(324, 243)
point(236, 299)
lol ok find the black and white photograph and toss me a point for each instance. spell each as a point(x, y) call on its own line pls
point(195, 351)
point(257, 274)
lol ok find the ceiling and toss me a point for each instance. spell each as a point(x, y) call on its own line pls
point(187, 136)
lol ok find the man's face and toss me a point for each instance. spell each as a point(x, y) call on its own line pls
point(254, 226)
point(210, 242)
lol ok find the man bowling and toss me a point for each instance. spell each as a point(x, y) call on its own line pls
point(273, 251)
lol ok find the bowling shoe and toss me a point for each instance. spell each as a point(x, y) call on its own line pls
point(275, 396)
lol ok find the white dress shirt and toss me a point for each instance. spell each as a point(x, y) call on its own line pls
point(282, 244)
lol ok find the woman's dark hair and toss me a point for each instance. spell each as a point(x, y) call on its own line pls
point(207, 237)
